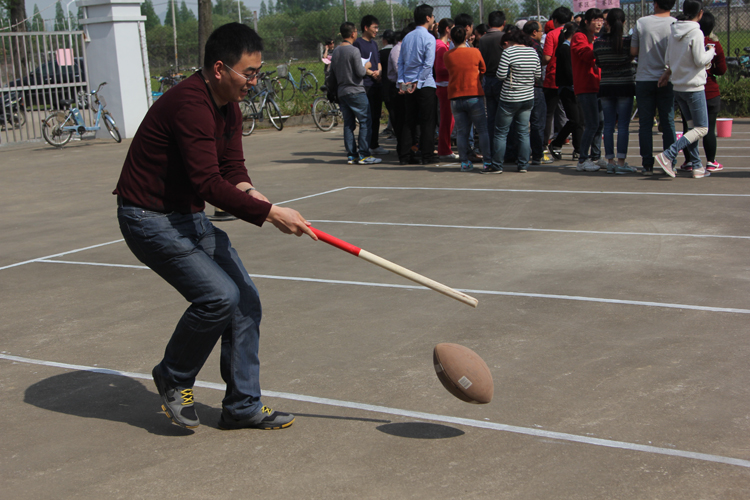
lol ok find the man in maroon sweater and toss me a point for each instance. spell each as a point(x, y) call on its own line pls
point(188, 151)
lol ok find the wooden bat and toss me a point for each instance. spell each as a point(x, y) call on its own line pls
point(395, 268)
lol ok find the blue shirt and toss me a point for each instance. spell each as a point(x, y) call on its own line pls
point(417, 58)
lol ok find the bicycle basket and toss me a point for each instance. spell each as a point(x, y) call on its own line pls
point(282, 70)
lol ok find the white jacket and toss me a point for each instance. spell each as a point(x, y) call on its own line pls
point(687, 57)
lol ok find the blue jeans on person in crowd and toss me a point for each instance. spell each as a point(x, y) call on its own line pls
point(593, 119)
point(468, 111)
point(616, 111)
point(507, 113)
point(693, 107)
point(356, 107)
point(538, 121)
point(198, 260)
point(492, 88)
point(651, 97)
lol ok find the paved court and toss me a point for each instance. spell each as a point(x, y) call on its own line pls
point(613, 314)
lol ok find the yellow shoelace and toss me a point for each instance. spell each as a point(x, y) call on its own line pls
point(187, 397)
point(266, 409)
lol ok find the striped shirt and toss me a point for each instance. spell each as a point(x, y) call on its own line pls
point(519, 66)
point(618, 76)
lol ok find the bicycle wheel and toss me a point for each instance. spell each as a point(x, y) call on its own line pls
point(19, 118)
point(308, 83)
point(249, 112)
point(324, 114)
point(274, 113)
point(282, 88)
point(52, 129)
point(109, 122)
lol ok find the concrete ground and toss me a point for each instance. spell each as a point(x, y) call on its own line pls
point(613, 314)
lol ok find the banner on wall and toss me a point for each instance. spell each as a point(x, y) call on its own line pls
point(584, 5)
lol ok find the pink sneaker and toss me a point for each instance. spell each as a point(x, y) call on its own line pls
point(686, 167)
point(714, 166)
point(662, 161)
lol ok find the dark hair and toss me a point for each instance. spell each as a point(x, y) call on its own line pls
point(567, 32)
point(496, 18)
point(589, 16)
point(707, 23)
point(446, 23)
point(562, 15)
point(530, 27)
point(407, 29)
point(328, 41)
point(667, 5)
point(347, 29)
point(690, 10)
point(515, 36)
point(228, 43)
point(580, 14)
point(480, 29)
point(458, 35)
point(464, 20)
point(616, 22)
point(389, 36)
point(421, 13)
point(368, 21)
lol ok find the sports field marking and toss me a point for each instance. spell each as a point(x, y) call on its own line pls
point(561, 191)
point(562, 436)
point(501, 228)
point(465, 290)
point(60, 254)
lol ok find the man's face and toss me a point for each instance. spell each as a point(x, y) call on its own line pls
point(431, 21)
point(371, 31)
point(234, 84)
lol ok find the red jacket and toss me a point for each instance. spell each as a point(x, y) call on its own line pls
point(441, 72)
point(718, 67)
point(586, 75)
point(550, 48)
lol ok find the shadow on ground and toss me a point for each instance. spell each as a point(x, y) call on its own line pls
point(420, 430)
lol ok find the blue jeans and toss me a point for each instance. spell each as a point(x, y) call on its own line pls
point(593, 120)
point(356, 107)
point(694, 109)
point(198, 260)
point(651, 97)
point(492, 88)
point(507, 113)
point(538, 122)
point(616, 110)
point(468, 111)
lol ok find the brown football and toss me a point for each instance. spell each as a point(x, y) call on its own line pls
point(463, 373)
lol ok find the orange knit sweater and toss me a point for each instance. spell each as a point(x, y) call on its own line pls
point(464, 67)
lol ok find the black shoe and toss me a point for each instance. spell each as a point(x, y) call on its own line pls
point(490, 170)
point(428, 161)
point(575, 155)
point(266, 418)
point(556, 153)
point(177, 402)
point(648, 171)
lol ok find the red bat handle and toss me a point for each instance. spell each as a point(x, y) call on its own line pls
point(332, 240)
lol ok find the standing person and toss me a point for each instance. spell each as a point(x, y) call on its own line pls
point(188, 151)
point(328, 46)
point(560, 16)
point(347, 72)
point(465, 67)
point(387, 86)
point(415, 62)
point(368, 49)
point(398, 99)
point(479, 32)
point(564, 82)
point(713, 96)
point(649, 44)
point(686, 60)
point(491, 50)
point(441, 80)
point(616, 90)
point(539, 111)
point(519, 67)
point(586, 77)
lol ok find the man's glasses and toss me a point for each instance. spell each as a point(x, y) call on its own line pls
point(252, 76)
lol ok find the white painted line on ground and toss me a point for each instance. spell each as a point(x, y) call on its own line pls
point(60, 254)
point(465, 290)
point(500, 228)
point(311, 196)
point(539, 433)
point(561, 191)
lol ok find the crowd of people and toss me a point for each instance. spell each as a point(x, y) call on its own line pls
point(517, 93)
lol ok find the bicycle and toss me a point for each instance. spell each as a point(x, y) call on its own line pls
point(59, 126)
point(284, 85)
point(738, 66)
point(325, 113)
point(252, 112)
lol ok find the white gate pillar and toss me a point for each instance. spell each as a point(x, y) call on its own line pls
point(113, 53)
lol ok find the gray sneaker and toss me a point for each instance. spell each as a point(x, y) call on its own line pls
point(177, 402)
point(266, 418)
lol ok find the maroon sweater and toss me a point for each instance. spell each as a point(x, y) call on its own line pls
point(187, 151)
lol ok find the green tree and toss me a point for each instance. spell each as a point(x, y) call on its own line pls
point(263, 9)
point(168, 15)
point(184, 14)
point(37, 23)
point(147, 9)
point(60, 24)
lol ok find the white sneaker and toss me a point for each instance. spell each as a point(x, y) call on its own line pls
point(369, 160)
point(665, 164)
point(588, 166)
point(380, 150)
point(452, 156)
point(700, 173)
point(601, 162)
point(580, 166)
